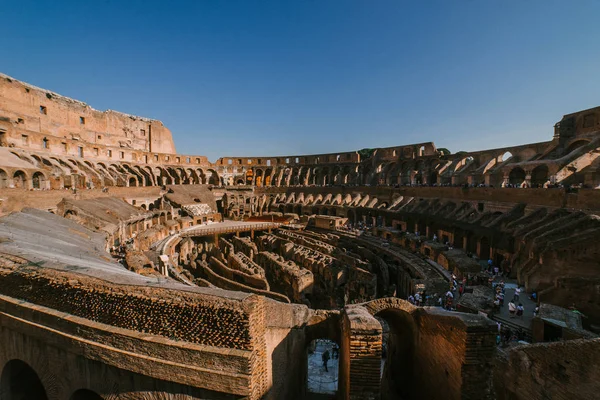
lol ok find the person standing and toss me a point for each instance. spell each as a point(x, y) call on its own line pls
point(517, 293)
point(520, 310)
point(512, 308)
point(325, 358)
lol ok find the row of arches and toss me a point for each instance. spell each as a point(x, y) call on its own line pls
point(19, 381)
point(21, 179)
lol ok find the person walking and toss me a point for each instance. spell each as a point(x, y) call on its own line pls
point(325, 358)
point(517, 293)
point(520, 310)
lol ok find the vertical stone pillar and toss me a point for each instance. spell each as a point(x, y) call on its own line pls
point(360, 355)
point(528, 178)
point(217, 240)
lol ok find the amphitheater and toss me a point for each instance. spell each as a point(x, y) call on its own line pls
point(130, 271)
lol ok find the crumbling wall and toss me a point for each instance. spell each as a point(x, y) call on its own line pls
point(559, 370)
point(189, 317)
point(286, 277)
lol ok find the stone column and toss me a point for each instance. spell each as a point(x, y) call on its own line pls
point(360, 355)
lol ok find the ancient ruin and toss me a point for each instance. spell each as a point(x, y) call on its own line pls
point(130, 271)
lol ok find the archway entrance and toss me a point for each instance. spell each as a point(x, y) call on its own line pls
point(3, 179)
point(397, 356)
point(19, 179)
point(321, 379)
point(516, 176)
point(539, 176)
point(39, 181)
point(19, 382)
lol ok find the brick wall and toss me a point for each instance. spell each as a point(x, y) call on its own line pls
point(560, 370)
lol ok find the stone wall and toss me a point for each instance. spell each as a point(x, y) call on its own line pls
point(189, 317)
point(286, 277)
point(560, 370)
point(40, 114)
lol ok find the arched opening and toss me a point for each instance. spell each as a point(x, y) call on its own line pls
point(85, 394)
point(39, 181)
point(323, 366)
point(214, 178)
point(575, 145)
point(19, 179)
point(132, 181)
point(539, 175)
point(351, 216)
point(433, 178)
point(19, 382)
point(506, 156)
point(516, 176)
point(397, 354)
point(484, 248)
point(249, 177)
point(3, 179)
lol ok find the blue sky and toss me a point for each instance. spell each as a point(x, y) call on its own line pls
point(265, 77)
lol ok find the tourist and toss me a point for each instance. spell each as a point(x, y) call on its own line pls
point(417, 299)
point(512, 308)
point(517, 293)
point(534, 296)
point(325, 358)
point(440, 301)
point(520, 310)
point(411, 299)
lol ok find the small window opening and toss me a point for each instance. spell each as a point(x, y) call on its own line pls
point(82, 120)
point(43, 110)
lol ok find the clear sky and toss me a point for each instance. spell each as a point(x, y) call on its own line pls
point(254, 78)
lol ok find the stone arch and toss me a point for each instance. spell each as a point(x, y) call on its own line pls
point(39, 180)
point(575, 145)
point(21, 381)
point(201, 176)
point(484, 248)
point(539, 175)
point(20, 179)
point(132, 181)
point(213, 179)
point(85, 394)
point(259, 176)
point(397, 379)
point(3, 179)
point(516, 176)
point(506, 156)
